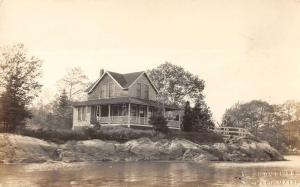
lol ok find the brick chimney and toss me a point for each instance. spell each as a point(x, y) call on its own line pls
point(101, 72)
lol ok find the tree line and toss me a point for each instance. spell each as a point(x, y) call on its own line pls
point(20, 85)
point(273, 123)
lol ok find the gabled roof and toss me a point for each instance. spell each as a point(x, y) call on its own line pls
point(123, 80)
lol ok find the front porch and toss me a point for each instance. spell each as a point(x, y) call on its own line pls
point(121, 114)
point(122, 111)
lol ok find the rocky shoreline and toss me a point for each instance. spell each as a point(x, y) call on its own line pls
point(22, 149)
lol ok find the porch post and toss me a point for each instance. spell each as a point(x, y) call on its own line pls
point(147, 118)
point(138, 109)
point(179, 120)
point(109, 114)
point(128, 114)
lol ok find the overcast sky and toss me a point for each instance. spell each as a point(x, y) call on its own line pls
point(243, 49)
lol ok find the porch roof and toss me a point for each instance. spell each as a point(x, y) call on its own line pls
point(120, 100)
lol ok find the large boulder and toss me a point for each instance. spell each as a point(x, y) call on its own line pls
point(245, 149)
point(19, 149)
point(88, 150)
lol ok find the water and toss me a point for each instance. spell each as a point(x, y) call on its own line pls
point(140, 174)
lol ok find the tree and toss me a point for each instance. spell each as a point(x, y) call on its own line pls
point(289, 110)
point(42, 116)
point(201, 116)
point(251, 115)
point(176, 85)
point(63, 111)
point(290, 114)
point(261, 118)
point(159, 123)
point(187, 121)
point(74, 82)
point(19, 85)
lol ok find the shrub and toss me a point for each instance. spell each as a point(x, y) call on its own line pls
point(205, 136)
point(57, 136)
point(187, 118)
point(159, 123)
point(112, 133)
point(119, 134)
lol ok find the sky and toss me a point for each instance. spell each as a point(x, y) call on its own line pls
point(243, 49)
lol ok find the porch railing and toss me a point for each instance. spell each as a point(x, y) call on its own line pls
point(173, 124)
point(124, 120)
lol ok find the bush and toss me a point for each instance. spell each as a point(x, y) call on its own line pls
point(57, 136)
point(119, 134)
point(113, 133)
point(204, 136)
point(187, 118)
point(159, 123)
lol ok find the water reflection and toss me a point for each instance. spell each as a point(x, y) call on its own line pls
point(136, 174)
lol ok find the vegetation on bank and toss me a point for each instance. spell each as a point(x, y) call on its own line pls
point(276, 124)
point(119, 134)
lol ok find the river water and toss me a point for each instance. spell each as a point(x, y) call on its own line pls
point(140, 174)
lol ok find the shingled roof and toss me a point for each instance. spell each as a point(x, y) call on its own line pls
point(124, 80)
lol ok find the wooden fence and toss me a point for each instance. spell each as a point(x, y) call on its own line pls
point(232, 131)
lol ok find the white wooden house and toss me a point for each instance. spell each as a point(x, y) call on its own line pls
point(120, 99)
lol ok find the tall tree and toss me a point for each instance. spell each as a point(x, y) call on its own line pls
point(187, 121)
point(63, 111)
point(201, 116)
point(74, 82)
point(19, 85)
point(175, 84)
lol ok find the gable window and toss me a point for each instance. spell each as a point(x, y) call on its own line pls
point(111, 90)
point(103, 91)
point(139, 90)
point(146, 91)
point(117, 91)
point(107, 90)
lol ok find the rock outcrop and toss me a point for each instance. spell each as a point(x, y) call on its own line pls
point(21, 149)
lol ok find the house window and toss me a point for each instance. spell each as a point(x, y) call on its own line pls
point(146, 91)
point(139, 90)
point(111, 90)
point(81, 113)
point(83, 110)
point(103, 91)
point(107, 90)
point(117, 91)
